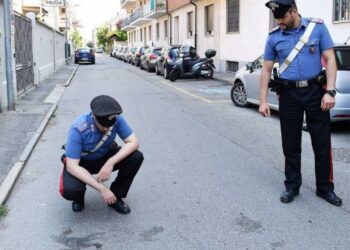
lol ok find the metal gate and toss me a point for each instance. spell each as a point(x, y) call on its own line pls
point(24, 53)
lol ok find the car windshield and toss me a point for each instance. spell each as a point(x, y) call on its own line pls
point(84, 50)
point(157, 51)
point(343, 58)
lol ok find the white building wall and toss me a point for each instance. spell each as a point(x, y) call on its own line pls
point(323, 9)
point(182, 37)
point(205, 41)
point(247, 44)
point(46, 59)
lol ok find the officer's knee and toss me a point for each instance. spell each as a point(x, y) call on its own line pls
point(138, 156)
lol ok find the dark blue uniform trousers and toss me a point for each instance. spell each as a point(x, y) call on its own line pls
point(292, 105)
point(72, 188)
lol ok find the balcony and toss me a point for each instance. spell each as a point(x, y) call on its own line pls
point(138, 18)
point(126, 24)
point(155, 9)
point(126, 4)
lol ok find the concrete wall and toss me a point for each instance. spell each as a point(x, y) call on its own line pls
point(3, 94)
point(48, 50)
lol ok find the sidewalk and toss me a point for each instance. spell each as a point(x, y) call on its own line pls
point(224, 77)
point(20, 129)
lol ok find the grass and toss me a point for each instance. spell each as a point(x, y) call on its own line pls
point(3, 211)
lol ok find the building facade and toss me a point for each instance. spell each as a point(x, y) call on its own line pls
point(236, 29)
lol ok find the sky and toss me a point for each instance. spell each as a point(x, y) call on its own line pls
point(93, 13)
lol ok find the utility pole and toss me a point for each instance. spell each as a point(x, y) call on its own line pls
point(8, 54)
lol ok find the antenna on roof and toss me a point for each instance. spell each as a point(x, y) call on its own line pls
point(346, 42)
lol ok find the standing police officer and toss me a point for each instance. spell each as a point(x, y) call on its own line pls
point(91, 149)
point(301, 92)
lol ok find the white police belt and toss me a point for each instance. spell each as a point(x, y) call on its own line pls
point(304, 39)
point(100, 143)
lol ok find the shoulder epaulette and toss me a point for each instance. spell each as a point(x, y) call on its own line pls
point(274, 29)
point(315, 20)
point(82, 126)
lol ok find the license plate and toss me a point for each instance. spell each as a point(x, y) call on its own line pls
point(204, 72)
point(84, 59)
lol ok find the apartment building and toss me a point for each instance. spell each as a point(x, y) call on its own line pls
point(236, 29)
point(147, 22)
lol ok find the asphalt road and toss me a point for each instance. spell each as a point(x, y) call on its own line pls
point(211, 178)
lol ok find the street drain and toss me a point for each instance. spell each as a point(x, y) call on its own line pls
point(341, 154)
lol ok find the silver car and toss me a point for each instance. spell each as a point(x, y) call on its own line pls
point(247, 85)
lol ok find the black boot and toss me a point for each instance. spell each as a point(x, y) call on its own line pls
point(78, 206)
point(288, 195)
point(330, 197)
point(121, 207)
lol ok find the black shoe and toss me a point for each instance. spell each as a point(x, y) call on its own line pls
point(330, 197)
point(288, 195)
point(121, 207)
point(77, 206)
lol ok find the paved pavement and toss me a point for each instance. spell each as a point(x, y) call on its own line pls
point(20, 129)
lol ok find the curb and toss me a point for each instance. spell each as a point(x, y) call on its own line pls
point(11, 178)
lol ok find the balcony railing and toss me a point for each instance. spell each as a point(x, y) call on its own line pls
point(155, 8)
point(125, 4)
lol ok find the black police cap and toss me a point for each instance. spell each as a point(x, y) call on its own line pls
point(104, 105)
point(280, 7)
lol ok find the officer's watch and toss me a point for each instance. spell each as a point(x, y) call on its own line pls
point(331, 92)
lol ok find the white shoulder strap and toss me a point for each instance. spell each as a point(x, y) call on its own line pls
point(100, 143)
point(303, 40)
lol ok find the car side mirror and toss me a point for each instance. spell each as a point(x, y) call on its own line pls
point(250, 66)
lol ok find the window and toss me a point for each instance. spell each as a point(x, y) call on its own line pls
point(166, 28)
point(232, 15)
point(141, 35)
point(341, 10)
point(231, 66)
point(157, 31)
point(190, 24)
point(209, 19)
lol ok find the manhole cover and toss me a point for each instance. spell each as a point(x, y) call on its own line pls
point(341, 154)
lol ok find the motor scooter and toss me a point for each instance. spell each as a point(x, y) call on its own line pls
point(189, 65)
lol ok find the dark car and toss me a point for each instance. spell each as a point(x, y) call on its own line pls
point(135, 59)
point(84, 55)
point(149, 59)
point(166, 59)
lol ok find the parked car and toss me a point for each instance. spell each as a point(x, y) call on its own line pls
point(99, 50)
point(128, 54)
point(114, 51)
point(165, 60)
point(247, 85)
point(135, 59)
point(84, 55)
point(149, 59)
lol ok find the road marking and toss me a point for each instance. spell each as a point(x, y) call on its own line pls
point(193, 95)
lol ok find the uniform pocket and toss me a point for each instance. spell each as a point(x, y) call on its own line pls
point(283, 49)
point(312, 47)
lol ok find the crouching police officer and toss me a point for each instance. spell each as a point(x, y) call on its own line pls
point(298, 44)
point(91, 149)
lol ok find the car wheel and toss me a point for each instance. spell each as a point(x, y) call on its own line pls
point(209, 75)
point(166, 73)
point(239, 95)
point(156, 70)
point(148, 67)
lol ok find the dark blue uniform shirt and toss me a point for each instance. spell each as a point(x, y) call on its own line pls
point(307, 64)
point(84, 136)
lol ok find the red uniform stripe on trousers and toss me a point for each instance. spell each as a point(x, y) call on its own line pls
point(61, 184)
point(330, 179)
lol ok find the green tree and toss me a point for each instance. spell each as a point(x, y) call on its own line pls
point(102, 36)
point(77, 40)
